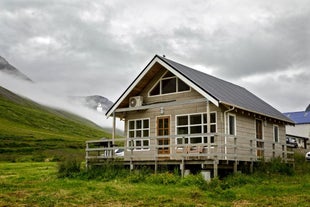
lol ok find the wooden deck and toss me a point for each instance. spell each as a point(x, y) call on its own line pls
point(220, 154)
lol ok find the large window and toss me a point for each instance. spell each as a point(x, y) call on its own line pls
point(139, 132)
point(275, 133)
point(231, 124)
point(169, 83)
point(195, 124)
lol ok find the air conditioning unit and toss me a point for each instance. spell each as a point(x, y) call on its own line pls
point(135, 101)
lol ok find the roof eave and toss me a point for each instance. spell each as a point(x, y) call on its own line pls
point(259, 113)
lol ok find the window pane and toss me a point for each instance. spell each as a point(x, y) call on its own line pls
point(213, 128)
point(212, 139)
point(196, 140)
point(205, 120)
point(205, 140)
point(185, 140)
point(182, 120)
point(131, 124)
point(145, 143)
point(231, 122)
point(145, 124)
point(138, 143)
point(160, 123)
point(182, 130)
point(166, 132)
point(138, 124)
point(195, 129)
point(131, 134)
point(166, 123)
point(168, 85)
point(182, 86)
point(160, 132)
point(276, 134)
point(213, 117)
point(195, 119)
point(145, 133)
point(156, 90)
point(179, 140)
point(138, 133)
point(205, 129)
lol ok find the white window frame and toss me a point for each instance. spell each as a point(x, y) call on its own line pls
point(189, 135)
point(235, 124)
point(160, 86)
point(274, 135)
point(141, 139)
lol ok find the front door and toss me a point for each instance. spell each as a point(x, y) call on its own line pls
point(259, 136)
point(163, 129)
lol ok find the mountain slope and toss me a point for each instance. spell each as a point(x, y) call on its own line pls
point(95, 102)
point(30, 131)
point(6, 67)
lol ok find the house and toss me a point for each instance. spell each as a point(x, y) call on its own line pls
point(177, 116)
point(301, 131)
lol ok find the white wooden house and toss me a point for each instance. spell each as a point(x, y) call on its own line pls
point(175, 115)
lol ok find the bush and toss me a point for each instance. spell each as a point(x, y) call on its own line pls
point(69, 167)
point(109, 170)
point(139, 175)
point(301, 165)
point(275, 166)
point(195, 180)
point(238, 180)
point(163, 178)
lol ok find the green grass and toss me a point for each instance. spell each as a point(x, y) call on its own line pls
point(29, 131)
point(37, 184)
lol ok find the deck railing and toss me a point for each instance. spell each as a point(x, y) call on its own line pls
point(213, 147)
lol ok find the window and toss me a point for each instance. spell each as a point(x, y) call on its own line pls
point(139, 131)
point(276, 133)
point(168, 84)
point(231, 124)
point(195, 124)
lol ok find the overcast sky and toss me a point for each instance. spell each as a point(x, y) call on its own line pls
point(99, 47)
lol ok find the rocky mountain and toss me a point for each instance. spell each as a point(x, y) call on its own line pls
point(6, 67)
point(96, 102)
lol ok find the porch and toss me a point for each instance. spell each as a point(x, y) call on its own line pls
point(213, 152)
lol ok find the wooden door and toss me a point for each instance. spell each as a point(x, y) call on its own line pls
point(259, 136)
point(163, 129)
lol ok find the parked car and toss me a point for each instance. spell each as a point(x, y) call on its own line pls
point(291, 142)
point(119, 152)
point(308, 156)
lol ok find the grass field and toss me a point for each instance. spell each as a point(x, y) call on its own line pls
point(32, 132)
point(37, 184)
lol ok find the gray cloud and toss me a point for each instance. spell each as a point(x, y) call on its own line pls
point(85, 48)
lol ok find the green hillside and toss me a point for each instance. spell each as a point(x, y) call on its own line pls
point(30, 131)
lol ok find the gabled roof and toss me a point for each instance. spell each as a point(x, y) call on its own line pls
point(213, 89)
point(299, 117)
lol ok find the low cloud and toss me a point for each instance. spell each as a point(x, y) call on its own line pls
point(45, 96)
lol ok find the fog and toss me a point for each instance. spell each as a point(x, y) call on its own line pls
point(45, 94)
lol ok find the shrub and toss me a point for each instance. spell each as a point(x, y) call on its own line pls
point(69, 167)
point(195, 180)
point(301, 165)
point(108, 171)
point(163, 178)
point(238, 180)
point(275, 166)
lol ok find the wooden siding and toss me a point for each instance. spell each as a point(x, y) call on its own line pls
point(242, 146)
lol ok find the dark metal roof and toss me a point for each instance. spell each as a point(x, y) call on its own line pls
point(299, 117)
point(226, 92)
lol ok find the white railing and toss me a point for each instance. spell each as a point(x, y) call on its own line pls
point(223, 147)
